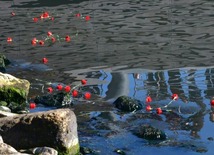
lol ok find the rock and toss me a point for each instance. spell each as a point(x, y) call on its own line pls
point(55, 100)
point(6, 149)
point(1, 140)
point(128, 104)
point(45, 151)
point(14, 91)
point(55, 128)
point(6, 114)
point(4, 108)
point(150, 133)
point(3, 62)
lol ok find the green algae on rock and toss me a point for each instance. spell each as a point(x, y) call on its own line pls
point(14, 91)
point(3, 62)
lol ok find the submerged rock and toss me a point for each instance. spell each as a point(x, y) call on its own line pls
point(45, 151)
point(14, 92)
point(3, 62)
point(125, 103)
point(149, 133)
point(55, 128)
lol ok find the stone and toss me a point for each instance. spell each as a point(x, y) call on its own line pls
point(45, 151)
point(125, 103)
point(4, 108)
point(6, 149)
point(1, 140)
point(14, 91)
point(55, 128)
point(149, 133)
point(6, 114)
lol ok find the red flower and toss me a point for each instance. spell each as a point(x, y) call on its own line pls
point(78, 15)
point(32, 105)
point(87, 95)
point(49, 33)
point(45, 60)
point(74, 93)
point(35, 19)
point(84, 82)
point(59, 87)
point(41, 42)
point(44, 15)
point(67, 89)
point(67, 38)
point(212, 102)
point(53, 40)
point(9, 39)
point(87, 18)
point(52, 18)
point(148, 108)
point(13, 13)
point(174, 96)
point(50, 89)
point(34, 41)
point(148, 99)
point(159, 111)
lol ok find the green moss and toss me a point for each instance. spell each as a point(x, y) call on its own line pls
point(3, 103)
point(73, 150)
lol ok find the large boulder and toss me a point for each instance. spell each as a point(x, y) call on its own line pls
point(55, 128)
point(14, 92)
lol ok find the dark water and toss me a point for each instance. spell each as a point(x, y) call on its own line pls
point(130, 47)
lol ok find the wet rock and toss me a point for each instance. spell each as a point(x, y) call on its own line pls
point(149, 133)
point(14, 91)
point(125, 103)
point(45, 151)
point(3, 62)
point(85, 150)
point(54, 128)
point(1, 140)
point(4, 108)
point(210, 138)
point(119, 151)
point(55, 100)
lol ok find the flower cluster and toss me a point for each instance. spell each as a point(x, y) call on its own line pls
point(71, 93)
point(43, 16)
point(159, 110)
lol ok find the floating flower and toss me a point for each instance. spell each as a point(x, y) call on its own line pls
point(84, 82)
point(13, 13)
point(148, 99)
point(52, 18)
point(9, 39)
point(35, 19)
point(34, 41)
point(53, 40)
point(75, 93)
point(78, 15)
point(67, 89)
point(44, 60)
point(87, 18)
point(49, 33)
point(44, 15)
point(212, 102)
point(59, 87)
point(148, 108)
point(50, 89)
point(41, 42)
point(174, 96)
point(159, 111)
point(67, 38)
point(87, 95)
point(32, 105)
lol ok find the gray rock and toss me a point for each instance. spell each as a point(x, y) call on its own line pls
point(4, 108)
point(125, 103)
point(45, 151)
point(6, 114)
point(6, 149)
point(54, 128)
